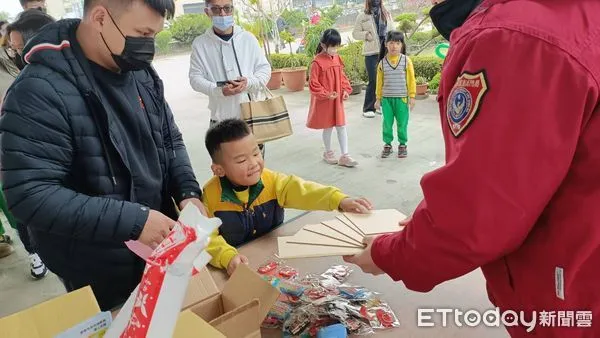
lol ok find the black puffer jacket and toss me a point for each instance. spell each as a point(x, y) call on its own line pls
point(64, 165)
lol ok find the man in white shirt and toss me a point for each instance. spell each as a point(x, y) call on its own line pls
point(227, 63)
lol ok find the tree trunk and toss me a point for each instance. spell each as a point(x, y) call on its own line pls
point(425, 46)
point(291, 52)
point(418, 26)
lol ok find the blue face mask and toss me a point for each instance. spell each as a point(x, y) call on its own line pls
point(222, 23)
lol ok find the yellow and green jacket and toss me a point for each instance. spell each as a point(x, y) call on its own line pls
point(255, 211)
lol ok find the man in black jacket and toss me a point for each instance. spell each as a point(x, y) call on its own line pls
point(91, 155)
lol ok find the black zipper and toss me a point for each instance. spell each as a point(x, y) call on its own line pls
point(94, 102)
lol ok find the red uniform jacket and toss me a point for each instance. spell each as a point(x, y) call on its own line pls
point(519, 195)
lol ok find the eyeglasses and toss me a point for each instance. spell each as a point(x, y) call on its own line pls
point(216, 10)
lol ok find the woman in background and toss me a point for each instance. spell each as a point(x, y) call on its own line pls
point(371, 27)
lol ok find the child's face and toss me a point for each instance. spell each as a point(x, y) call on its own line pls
point(394, 47)
point(330, 50)
point(240, 161)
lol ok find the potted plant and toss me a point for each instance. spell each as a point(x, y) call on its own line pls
point(294, 72)
point(421, 86)
point(277, 64)
point(353, 66)
point(355, 80)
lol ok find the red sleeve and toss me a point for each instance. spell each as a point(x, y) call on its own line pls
point(503, 169)
point(316, 88)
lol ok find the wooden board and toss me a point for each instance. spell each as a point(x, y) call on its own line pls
point(327, 231)
point(350, 225)
point(377, 222)
point(345, 231)
point(315, 238)
point(291, 250)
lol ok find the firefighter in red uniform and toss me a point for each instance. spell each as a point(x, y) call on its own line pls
point(519, 195)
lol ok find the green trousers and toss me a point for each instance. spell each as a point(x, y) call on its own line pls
point(7, 213)
point(395, 108)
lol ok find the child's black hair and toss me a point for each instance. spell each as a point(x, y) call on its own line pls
point(225, 131)
point(330, 38)
point(395, 36)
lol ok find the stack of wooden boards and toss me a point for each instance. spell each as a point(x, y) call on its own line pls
point(340, 236)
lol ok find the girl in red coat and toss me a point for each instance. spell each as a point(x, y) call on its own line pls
point(329, 87)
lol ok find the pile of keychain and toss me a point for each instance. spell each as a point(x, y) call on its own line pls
point(309, 303)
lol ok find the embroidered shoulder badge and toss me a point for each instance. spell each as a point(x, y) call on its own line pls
point(465, 99)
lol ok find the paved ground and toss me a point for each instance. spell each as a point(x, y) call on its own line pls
point(389, 183)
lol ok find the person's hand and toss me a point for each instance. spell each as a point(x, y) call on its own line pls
point(333, 96)
point(235, 262)
point(405, 221)
point(229, 90)
point(412, 102)
point(195, 201)
point(156, 229)
point(356, 205)
point(364, 260)
point(378, 104)
point(240, 85)
point(368, 36)
point(345, 96)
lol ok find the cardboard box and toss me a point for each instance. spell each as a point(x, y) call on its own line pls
point(238, 310)
point(245, 300)
point(52, 317)
point(190, 325)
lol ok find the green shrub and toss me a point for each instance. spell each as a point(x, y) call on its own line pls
point(354, 64)
point(313, 36)
point(419, 38)
point(188, 26)
point(281, 61)
point(426, 66)
point(435, 82)
point(421, 80)
point(163, 41)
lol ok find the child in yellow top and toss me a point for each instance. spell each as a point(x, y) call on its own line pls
point(396, 90)
point(250, 199)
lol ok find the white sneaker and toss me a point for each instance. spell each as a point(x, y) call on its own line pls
point(347, 161)
point(329, 157)
point(369, 114)
point(38, 268)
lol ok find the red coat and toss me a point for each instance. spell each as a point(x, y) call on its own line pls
point(327, 76)
point(519, 195)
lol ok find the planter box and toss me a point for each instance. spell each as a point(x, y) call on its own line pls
point(276, 80)
point(294, 78)
point(422, 89)
point(356, 88)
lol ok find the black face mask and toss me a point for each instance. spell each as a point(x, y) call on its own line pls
point(137, 54)
point(375, 3)
point(19, 62)
point(451, 14)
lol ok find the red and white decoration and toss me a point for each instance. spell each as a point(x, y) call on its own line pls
point(164, 283)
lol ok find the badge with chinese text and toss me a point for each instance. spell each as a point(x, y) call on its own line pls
point(464, 101)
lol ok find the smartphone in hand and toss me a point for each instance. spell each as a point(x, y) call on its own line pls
point(222, 84)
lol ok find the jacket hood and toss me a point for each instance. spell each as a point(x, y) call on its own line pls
point(237, 31)
point(52, 47)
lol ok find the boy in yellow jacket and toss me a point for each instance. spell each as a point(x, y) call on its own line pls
point(250, 199)
point(396, 90)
